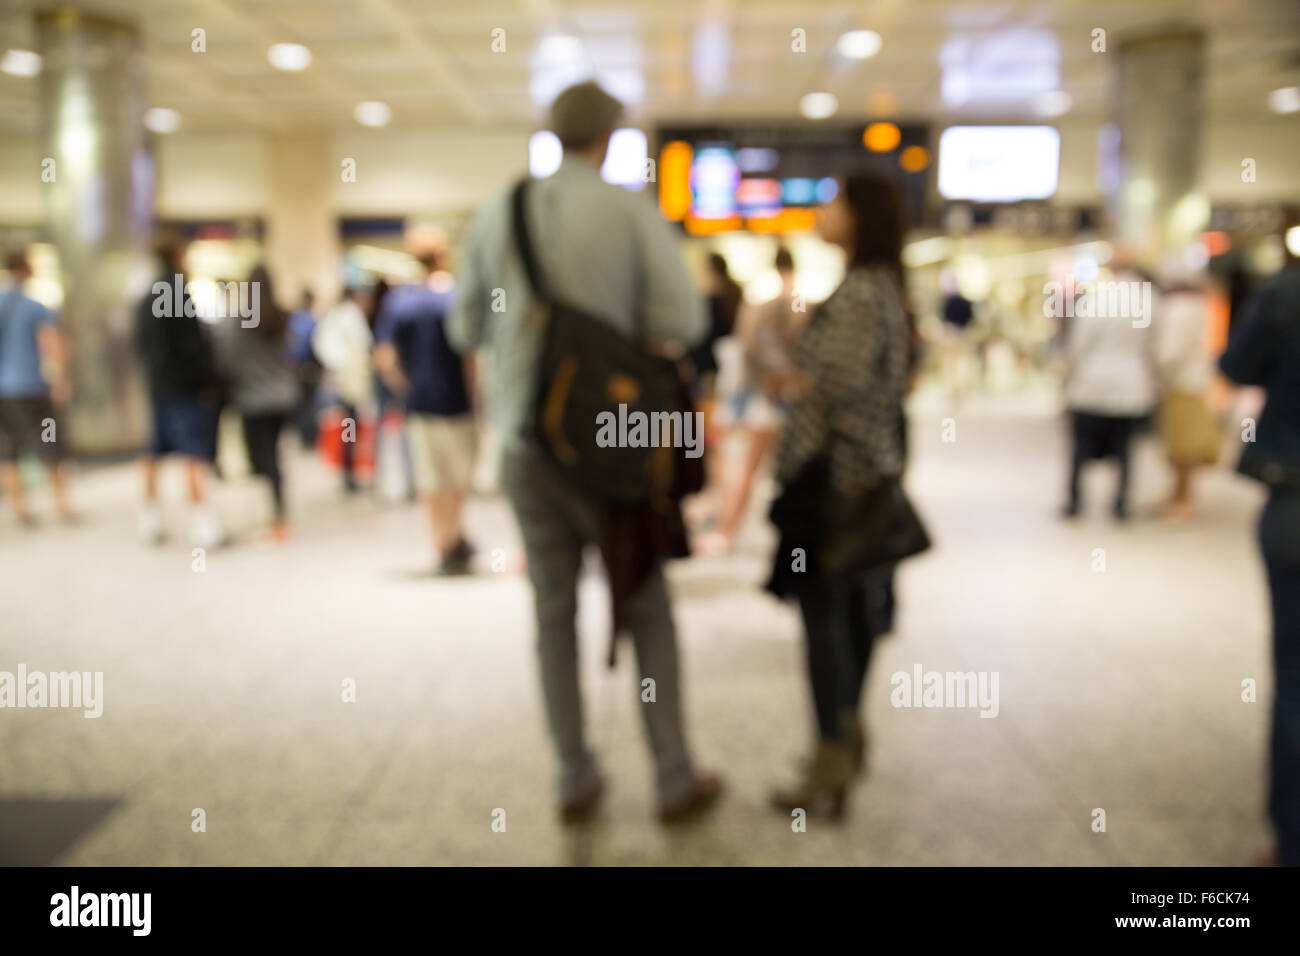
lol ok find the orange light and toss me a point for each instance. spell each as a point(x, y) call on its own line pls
point(881, 137)
point(914, 159)
point(709, 227)
point(1216, 243)
point(786, 220)
point(675, 180)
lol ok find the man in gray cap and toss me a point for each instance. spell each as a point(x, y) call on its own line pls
point(607, 252)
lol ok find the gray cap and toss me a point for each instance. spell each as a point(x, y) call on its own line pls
point(583, 113)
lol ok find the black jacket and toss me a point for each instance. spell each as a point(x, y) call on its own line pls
point(174, 347)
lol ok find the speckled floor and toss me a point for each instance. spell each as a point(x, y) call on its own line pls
point(1119, 690)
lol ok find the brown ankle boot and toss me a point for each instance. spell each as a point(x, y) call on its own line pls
point(825, 785)
point(855, 740)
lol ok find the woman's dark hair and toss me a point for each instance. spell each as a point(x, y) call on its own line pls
point(730, 295)
point(272, 321)
point(784, 261)
point(378, 292)
point(879, 221)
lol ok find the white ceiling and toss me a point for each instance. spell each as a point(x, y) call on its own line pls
point(432, 62)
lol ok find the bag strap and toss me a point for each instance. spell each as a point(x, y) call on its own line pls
point(523, 240)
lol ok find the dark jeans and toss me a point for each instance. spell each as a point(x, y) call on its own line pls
point(841, 621)
point(1279, 539)
point(262, 438)
point(349, 450)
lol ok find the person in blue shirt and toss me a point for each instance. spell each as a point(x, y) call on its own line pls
point(415, 361)
point(1264, 350)
point(31, 347)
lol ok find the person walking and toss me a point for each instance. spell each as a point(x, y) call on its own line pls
point(605, 251)
point(264, 388)
point(33, 380)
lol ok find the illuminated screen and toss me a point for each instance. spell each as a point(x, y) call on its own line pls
point(998, 163)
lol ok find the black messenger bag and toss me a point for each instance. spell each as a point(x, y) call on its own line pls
point(588, 372)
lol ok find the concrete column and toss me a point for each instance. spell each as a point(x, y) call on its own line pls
point(100, 207)
point(1158, 109)
point(302, 237)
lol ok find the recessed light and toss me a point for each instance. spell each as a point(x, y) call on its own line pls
point(160, 119)
point(819, 105)
point(859, 44)
point(559, 48)
point(289, 56)
point(20, 63)
point(372, 113)
point(1285, 100)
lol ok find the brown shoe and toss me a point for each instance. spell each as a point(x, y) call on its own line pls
point(582, 808)
point(697, 802)
point(825, 784)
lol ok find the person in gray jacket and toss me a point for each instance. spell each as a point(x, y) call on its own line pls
point(606, 251)
point(254, 360)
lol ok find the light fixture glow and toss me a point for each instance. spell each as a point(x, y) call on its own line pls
point(289, 56)
point(160, 119)
point(1285, 100)
point(858, 44)
point(372, 113)
point(20, 63)
point(559, 48)
point(881, 137)
point(819, 105)
point(1293, 241)
point(1053, 103)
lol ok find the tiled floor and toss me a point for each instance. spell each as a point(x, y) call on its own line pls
point(1119, 690)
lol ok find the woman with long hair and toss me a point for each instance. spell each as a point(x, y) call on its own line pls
point(843, 444)
point(263, 385)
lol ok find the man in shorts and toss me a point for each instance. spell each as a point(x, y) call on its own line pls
point(415, 360)
point(32, 379)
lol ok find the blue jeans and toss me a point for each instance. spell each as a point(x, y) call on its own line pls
point(1279, 540)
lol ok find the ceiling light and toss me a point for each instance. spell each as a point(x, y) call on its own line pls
point(20, 63)
point(1053, 103)
point(819, 105)
point(160, 119)
point(859, 44)
point(1285, 100)
point(372, 113)
point(289, 56)
point(1293, 241)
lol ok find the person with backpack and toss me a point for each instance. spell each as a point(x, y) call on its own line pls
point(594, 249)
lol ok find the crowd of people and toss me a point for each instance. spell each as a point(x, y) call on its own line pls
point(815, 392)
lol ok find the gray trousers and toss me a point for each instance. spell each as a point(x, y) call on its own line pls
point(556, 523)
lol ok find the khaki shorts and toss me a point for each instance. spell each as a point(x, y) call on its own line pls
point(442, 452)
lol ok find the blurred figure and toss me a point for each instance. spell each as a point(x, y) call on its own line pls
point(843, 440)
point(33, 379)
point(342, 343)
point(1110, 387)
point(724, 298)
point(263, 387)
point(766, 334)
point(958, 315)
point(298, 343)
point(416, 362)
point(392, 480)
point(605, 251)
point(1186, 427)
point(184, 395)
point(1265, 351)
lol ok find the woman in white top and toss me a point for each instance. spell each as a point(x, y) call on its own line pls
point(342, 342)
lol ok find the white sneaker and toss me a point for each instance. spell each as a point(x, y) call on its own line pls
point(151, 525)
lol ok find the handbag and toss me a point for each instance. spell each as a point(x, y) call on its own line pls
point(589, 374)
